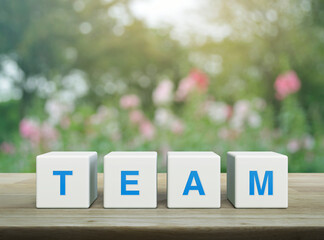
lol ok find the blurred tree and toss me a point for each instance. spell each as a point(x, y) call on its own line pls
point(50, 49)
point(114, 50)
point(266, 39)
point(35, 34)
point(121, 53)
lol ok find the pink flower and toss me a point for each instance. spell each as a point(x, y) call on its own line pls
point(7, 148)
point(240, 112)
point(147, 130)
point(196, 80)
point(49, 134)
point(286, 84)
point(36, 134)
point(129, 101)
point(200, 78)
point(177, 127)
point(293, 146)
point(30, 130)
point(186, 86)
point(136, 116)
point(163, 92)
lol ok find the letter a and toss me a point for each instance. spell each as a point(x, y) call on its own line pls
point(189, 186)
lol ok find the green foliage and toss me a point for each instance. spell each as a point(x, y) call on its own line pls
point(77, 60)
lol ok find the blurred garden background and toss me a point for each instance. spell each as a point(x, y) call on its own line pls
point(107, 75)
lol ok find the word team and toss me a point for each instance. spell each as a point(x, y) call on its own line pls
point(254, 179)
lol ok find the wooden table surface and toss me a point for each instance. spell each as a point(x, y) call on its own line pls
point(19, 218)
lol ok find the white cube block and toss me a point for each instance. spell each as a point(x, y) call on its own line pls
point(130, 180)
point(257, 179)
point(66, 179)
point(193, 180)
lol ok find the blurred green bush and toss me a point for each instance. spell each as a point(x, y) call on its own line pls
point(89, 75)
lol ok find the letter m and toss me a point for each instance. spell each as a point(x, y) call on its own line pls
point(268, 177)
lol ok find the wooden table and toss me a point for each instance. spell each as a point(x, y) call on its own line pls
point(19, 218)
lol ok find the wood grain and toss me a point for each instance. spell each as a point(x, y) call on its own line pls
point(19, 218)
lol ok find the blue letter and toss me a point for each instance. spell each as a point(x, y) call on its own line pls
point(267, 176)
point(193, 175)
point(124, 182)
point(62, 175)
